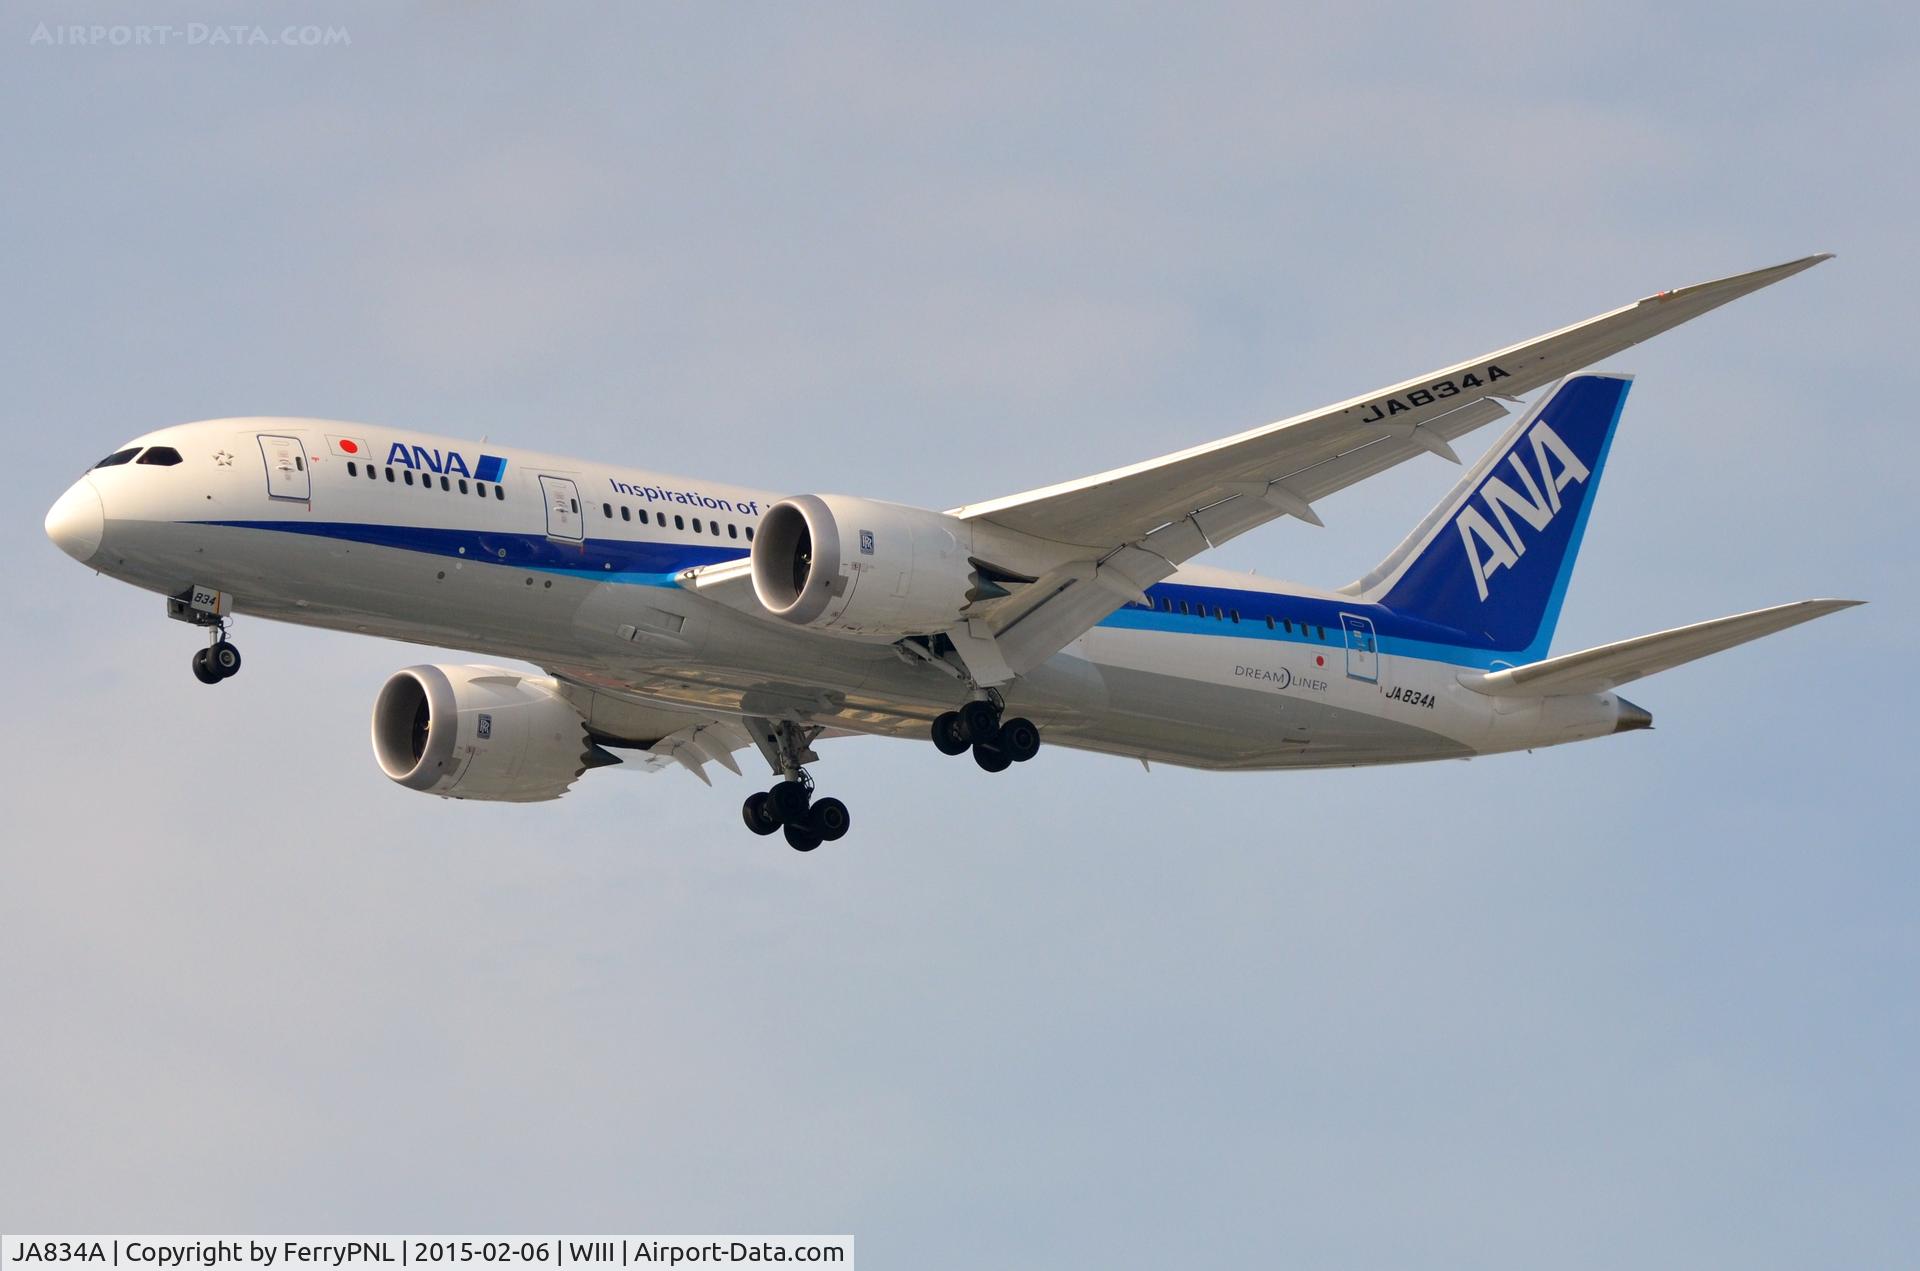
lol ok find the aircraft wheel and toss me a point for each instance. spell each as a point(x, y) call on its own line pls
point(789, 800)
point(979, 722)
point(1020, 739)
point(829, 819)
point(758, 813)
point(949, 736)
point(992, 758)
point(801, 840)
point(225, 659)
point(203, 669)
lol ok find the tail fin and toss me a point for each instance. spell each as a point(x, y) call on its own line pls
point(1492, 561)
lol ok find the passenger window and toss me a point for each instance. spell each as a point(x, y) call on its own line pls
point(679, 522)
point(733, 531)
point(1288, 622)
point(118, 457)
point(575, 503)
point(299, 464)
point(446, 486)
point(626, 513)
point(1235, 615)
point(606, 510)
point(1185, 610)
point(161, 456)
point(480, 488)
point(463, 485)
point(500, 492)
point(371, 474)
point(696, 525)
point(351, 470)
point(749, 533)
point(407, 476)
point(1322, 631)
point(643, 516)
point(1269, 622)
point(389, 475)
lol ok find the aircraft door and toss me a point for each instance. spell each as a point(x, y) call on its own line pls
point(564, 521)
point(1363, 648)
point(287, 475)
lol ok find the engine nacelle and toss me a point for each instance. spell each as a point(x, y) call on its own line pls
point(479, 732)
point(862, 567)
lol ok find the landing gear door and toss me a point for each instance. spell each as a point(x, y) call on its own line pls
point(1363, 648)
point(287, 475)
point(564, 521)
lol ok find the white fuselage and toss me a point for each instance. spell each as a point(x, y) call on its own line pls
point(575, 566)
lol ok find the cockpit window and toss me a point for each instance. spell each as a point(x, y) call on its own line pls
point(118, 457)
point(161, 456)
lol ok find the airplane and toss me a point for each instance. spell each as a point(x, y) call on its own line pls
point(679, 621)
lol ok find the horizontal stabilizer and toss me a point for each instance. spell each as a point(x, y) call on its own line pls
point(1610, 665)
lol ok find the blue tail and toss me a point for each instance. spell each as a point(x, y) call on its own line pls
point(1490, 564)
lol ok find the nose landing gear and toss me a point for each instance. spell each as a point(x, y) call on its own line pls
point(220, 660)
point(206, 607)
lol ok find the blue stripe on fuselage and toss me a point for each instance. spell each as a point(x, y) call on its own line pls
point(1397, 634)
point(652, 563)
point(624, 560)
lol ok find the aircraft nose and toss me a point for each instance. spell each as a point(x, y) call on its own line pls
point(76, 521)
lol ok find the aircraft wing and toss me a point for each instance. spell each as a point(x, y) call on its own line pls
point(1136, 524)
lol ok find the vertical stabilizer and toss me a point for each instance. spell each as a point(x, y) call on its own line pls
point(1492, 561)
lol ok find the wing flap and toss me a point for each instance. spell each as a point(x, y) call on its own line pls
point(1608, 666)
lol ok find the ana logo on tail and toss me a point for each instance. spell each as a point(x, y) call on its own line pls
point(1558, 467)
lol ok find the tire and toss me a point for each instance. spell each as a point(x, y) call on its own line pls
point(801, 840)
point(829, 819)
point(758, 813)
point(1020, 739)
point(225, 659)
point(789, 800)
point(203, 668)
point(949, 737)
point(992, 758)
point(979, 722)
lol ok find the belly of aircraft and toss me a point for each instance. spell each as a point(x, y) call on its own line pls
point(1198, 701)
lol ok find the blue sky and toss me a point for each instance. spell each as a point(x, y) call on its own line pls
point(1644, 1000)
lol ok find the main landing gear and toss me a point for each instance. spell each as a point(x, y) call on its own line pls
point(790, 806)
point(977, 726)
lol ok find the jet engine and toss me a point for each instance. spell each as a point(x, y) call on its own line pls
point(861, 567)
point(480, 732)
